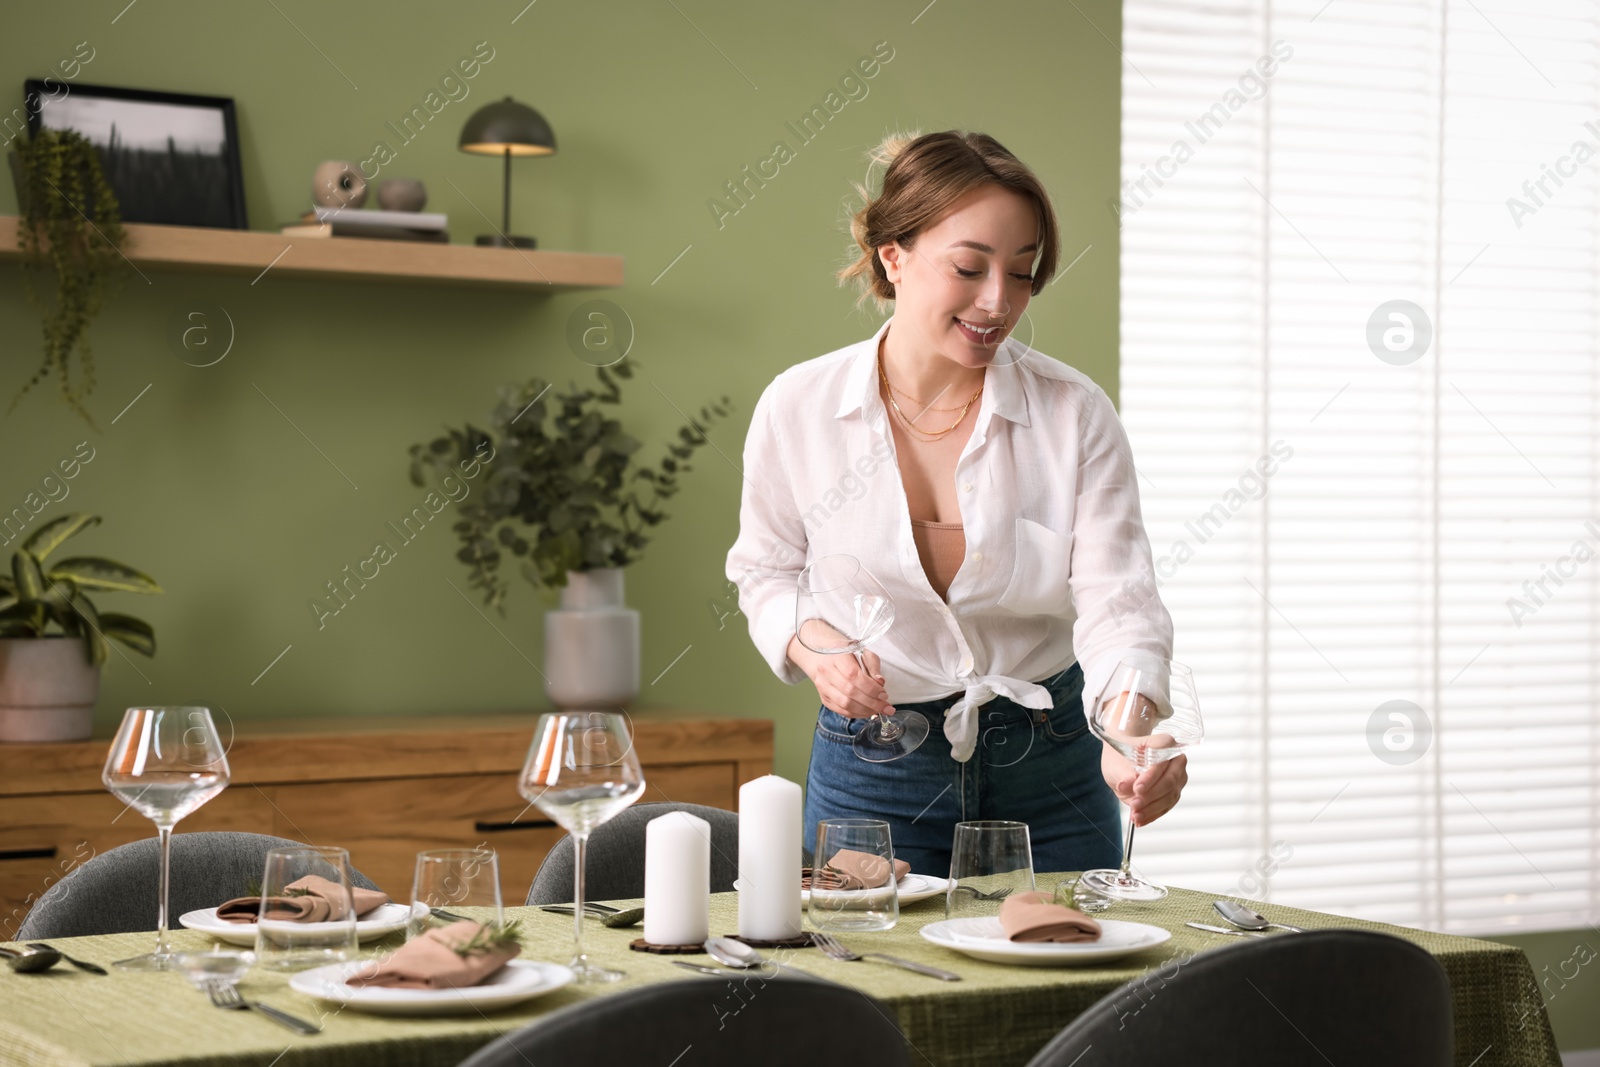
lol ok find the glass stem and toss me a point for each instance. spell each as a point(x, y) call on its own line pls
point(888, 729)
point(1127, 848)
point(580, 843)
point(165, 833)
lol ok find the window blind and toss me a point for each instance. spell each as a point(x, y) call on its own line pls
point(1360, 264)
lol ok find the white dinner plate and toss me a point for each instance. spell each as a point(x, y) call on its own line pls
point(385, 919)
point(983, 938)
point(910, 889)
point(517, 981)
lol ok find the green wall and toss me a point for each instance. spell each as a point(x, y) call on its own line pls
point(209, 488)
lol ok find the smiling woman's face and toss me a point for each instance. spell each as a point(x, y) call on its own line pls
point(971, 268)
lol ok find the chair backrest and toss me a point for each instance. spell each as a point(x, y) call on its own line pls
point(615, 867)
point(116, 892)
point(775, 1022)
point(1334, 996)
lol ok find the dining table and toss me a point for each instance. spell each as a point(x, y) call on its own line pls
point(998, 1014)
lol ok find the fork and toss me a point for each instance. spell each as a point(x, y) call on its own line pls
point(226, 995)
point(831, 948)
point(998, 894)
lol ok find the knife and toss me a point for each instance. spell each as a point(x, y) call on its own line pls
point(1224, 930)
point(708, 970)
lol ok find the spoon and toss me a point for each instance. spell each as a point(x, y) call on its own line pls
point(731, 953)
point(92, 968)
point(31, 961)
point(1246, 919)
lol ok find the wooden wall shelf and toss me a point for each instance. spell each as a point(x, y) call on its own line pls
point(249, 252)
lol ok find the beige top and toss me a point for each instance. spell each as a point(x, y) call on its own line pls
point(941, 546)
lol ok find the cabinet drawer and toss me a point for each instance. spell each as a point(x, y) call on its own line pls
point(385, 823)
point(44, 837)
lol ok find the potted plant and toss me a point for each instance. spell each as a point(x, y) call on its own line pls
point(70, 222)
point(53, 640)
point(560, 488)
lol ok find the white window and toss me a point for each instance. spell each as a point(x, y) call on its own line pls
point(1360, 258)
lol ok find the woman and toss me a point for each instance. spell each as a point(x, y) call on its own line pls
point(991, 490)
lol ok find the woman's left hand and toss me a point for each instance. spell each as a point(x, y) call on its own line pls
point(1149, 793)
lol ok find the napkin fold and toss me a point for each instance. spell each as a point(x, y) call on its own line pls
point(322, 901)
point(430, 961)
point(1032, 917)
point(849, 869)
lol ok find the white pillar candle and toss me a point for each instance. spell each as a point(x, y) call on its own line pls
point(769, 859)
point(677, 879)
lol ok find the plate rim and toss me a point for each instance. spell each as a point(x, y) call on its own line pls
point(352, 996)
point(958, 943)
point(216, 928)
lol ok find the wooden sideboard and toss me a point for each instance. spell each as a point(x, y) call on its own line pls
point(384, 787)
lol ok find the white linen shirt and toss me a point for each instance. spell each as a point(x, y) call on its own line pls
point(1058, 566)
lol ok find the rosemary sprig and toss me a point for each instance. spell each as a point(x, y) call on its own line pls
point(488, 938)
point(253, 887)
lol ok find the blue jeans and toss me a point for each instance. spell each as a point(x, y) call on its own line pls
point(1035, 766)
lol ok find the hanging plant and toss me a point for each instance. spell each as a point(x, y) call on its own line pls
point(71, 223)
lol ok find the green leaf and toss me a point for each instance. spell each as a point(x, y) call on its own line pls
point(47, 538)
point(135, 633)
point(23, 620)
point(92, 572)
point(93, 637)
point(25, 572)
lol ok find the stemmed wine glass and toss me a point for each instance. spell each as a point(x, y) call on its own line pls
point(841, 607)
point(165, 763)
point(582, 771)
point(1152, 716)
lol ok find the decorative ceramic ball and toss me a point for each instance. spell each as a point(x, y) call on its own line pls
point(338, 184)
point(402, 194)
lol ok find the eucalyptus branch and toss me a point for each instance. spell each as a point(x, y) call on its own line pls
point(562, 491)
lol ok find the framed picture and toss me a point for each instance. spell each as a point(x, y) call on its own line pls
point(171, 158)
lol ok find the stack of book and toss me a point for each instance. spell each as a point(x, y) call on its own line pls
point(354, 222)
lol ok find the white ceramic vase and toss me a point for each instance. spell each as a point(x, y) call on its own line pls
point(591, 644)
point(47, 689)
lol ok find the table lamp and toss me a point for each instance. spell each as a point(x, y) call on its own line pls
point(507, 128)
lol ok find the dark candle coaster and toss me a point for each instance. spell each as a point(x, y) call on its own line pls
point(803, 941)
point(641, 945)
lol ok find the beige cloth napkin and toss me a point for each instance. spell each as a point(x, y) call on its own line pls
point(849, 869)
point(430, 961)
point(1032, 917)
point(323, 901)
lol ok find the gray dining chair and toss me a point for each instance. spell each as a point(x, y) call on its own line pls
point(615, 862)
point(1327, 996)
point(694, 1022)
point(116, 892)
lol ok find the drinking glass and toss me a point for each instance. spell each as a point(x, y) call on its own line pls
point(1153, 716)
point(456, 879)
point(286, 945)
point(989, 860)
point(164, 763)
point(873, 906)
point(841, 608)
point(582, 771)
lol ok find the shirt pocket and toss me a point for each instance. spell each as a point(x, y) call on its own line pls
point(1039, 572)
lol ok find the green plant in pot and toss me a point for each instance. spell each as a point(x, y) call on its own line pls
point(556, 483)
point(53, 640)
point(71, 224)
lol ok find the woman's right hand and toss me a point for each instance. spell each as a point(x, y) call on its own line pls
point(841, 683)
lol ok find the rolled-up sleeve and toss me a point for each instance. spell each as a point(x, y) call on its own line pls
point(1119, 611)
point(766, 560)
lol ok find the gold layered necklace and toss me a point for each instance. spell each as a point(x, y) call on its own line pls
point(930, 435)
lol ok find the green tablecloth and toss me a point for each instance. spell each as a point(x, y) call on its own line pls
point(998, 1015)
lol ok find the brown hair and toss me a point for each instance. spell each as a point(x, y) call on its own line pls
point(923, 176)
